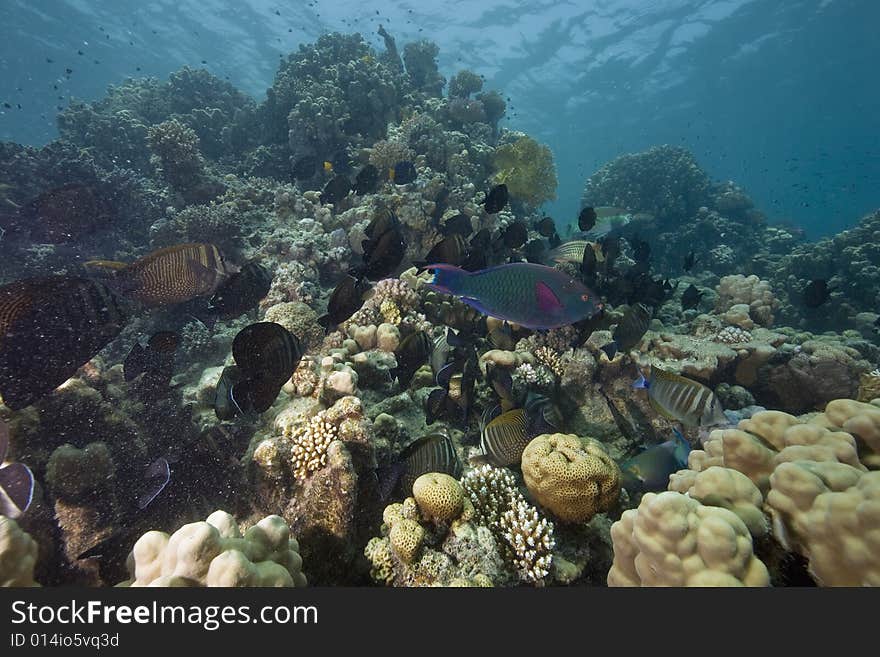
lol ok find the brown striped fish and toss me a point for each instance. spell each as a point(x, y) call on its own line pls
point(169, 276)
point(504, 439)
point(49, 328)
point(682, 399)
point(431, 453)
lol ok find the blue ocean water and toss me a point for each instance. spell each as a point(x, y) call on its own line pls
point(778, 96)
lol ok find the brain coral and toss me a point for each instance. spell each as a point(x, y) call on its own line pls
point(573, 478)
point(214, 553)
point(439, 496)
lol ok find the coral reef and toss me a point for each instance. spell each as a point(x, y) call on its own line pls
point(674, 540)
point(526, 167)
point(216, 553)
point(573, 478)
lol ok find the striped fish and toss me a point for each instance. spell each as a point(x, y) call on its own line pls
point(49, 328)
point(267, 350)
point(504, 439)
point(682, 399)
point(573, 252)
point(169, 276)
point(432, 453)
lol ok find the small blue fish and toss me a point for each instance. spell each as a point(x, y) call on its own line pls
point(533, 296)
point(650, 470)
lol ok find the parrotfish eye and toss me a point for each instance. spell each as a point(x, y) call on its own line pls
point(585, 297)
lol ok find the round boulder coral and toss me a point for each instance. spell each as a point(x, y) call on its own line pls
point(439, 496)
point(573, 478)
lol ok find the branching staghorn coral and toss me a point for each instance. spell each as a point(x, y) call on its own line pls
point(517, 525)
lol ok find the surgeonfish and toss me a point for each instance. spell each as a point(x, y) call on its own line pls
point(403, 173)
point(504, 438)
point(496, 199)
point(155, 361)
point(346, 299)
point(431, 453)
point(241, 292)
point(412, 352)
point(630, 330)
point(649, 471)
point(49, 328)
point(533, 296)
point(266, 355)
point(169, 276)
point(679, 398)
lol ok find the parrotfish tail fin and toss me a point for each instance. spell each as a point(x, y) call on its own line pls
point(641, 382)
point(447, 278)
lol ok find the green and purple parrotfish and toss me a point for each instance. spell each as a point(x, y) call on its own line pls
point(533, 296)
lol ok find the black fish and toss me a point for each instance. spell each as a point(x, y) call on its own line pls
point(451, 250)
point(534, 251)
point(384, 255)
point(305, 167)
point(610, 250)
point(587, 219)
point(155, 361)
point(403, 173)
point(690, 261)
point(380, 224)
point(543, 415)
point(690, 298)
point(501, 381)
point(546, 227)
point(496, 199)
point(439, 405)
point(515, 235)
point(630, 330)
point(432, 453)
point(347, 298)
point(367, 180)
point(440, 204)
point(336, 189)
point(501, 337)
point(241, 292)
point(641, 251)
point(816, 293)
point(267, 350)
point(49, 328)
point(589, 265)
point(460, 223)
point(412, 352)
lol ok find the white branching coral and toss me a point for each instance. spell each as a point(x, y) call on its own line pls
point(498, 505)
point(530, 538)
point(551, 359)
point(309, 443)
point(491, 490)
